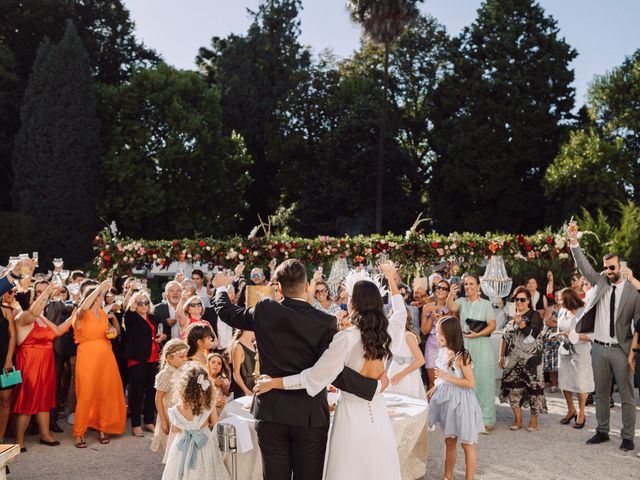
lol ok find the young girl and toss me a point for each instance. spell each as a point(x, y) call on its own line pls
point(404, 371)
point(453, 406)
point(194, 453)
point(200, 341)
point(173, 357)
point(220, 376)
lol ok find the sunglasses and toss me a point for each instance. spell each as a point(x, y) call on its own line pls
point(610, 267)
point(521, 299)
point(195, 305)
point(143, 303)
point(256, 275)
point(446, 289)
point(321, 290)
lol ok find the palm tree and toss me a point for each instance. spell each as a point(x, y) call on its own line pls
point(382, 22)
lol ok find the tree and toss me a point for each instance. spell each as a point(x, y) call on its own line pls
point(169, 170)
point(254, 73)
point(326, 142)
point(10, 113)
point(597, 167)
point(417, 64)
point(57, 149)
point(590, 172)
point(382, 21)
point(499, 119)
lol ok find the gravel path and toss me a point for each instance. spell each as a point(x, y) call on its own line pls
point(554, 452)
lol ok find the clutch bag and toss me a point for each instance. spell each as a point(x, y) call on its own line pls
point(476, 326)
point(11, 378)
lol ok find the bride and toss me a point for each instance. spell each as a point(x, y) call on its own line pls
point(362, 444)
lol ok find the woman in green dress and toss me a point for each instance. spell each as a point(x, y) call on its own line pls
point(478, 321)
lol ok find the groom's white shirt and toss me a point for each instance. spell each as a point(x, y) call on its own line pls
point(332, 361)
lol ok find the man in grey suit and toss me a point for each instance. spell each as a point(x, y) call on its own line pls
point(609, 316)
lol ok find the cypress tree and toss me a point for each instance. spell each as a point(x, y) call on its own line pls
point(56, 152)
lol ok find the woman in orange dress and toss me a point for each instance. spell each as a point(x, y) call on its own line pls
point(99, 395)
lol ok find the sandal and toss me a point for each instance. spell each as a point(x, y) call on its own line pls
point(104, 438)
point(81, 443)
point(138, 433)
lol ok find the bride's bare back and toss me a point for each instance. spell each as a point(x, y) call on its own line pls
point(372, 369)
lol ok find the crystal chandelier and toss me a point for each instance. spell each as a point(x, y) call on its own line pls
point(495, 283)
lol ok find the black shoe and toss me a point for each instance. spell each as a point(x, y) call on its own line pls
point(627, 445)
point(590, 399)
point(599, 437)
point(567, 420)
point(23, 450)
point(55, 443)
point(55, 428)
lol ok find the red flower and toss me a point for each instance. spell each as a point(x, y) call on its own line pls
point(244, 251)
point(528, 248)
point(202, 243)
point(294, 245)
point(375, 251)
point(174, 243)
point(435, 244)
point(342, 242)
point(507, 244)
point(549, 240)
point(221, 254)
point(521, 239)
point(472, 244)
point(107, 258)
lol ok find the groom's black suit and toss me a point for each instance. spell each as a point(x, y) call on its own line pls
point(291, 426)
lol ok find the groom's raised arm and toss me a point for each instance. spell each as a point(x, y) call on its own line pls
point(232, 315)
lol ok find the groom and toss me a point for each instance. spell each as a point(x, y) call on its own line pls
point(291, 335)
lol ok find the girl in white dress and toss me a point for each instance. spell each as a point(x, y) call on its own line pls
point(404, 371)
point(362, 445)
point(194, 454)
point(172, 359)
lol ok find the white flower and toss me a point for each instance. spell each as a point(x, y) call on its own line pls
point(155, 256)
point(256, 253)
point(560, 244)
point(563, 255)
point(114, 228)
point(208, 248)
point(254, 231)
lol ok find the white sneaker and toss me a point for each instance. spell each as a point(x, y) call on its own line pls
point(71, 418)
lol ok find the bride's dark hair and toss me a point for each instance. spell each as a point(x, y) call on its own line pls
point(369, 317)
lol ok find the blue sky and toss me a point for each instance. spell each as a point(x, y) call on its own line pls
point(603, 32)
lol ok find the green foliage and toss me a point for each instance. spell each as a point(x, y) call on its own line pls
point(169, 170)
point(590, 172)
point(499, 119)
point(9, 116)
point(57, 148)
point(383, 21)
point(254, 73)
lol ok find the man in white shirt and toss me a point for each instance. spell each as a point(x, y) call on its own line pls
point(608, 317)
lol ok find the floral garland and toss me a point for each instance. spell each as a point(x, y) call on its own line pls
point(119, 255)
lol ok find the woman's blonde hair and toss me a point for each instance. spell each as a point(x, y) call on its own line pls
point(134, 300)
point(172, 347)
point(195, 389)
point(185, 308)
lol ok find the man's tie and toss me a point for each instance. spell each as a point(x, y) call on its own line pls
point(612, 313)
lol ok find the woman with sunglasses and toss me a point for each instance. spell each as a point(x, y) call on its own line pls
point(431, 313)
point(142, 351)
point(521, 360)
point(190, 310)
point(99, 394)
point(319, 297)
point(7, 349)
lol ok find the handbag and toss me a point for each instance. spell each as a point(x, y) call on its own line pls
point(477, 326)
point(11, 378)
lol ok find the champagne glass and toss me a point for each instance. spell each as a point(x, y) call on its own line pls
point(35, 257)
point(26, 269)
point(64, 274)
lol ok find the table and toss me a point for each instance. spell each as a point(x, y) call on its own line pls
point(7, 454)
point(409, 419)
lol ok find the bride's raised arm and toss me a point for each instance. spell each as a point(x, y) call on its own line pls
point(398, 318)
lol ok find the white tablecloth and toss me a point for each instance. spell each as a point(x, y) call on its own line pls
point(409, 417)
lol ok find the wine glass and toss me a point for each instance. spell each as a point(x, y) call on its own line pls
point(64, 274)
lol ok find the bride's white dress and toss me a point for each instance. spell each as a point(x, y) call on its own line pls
point(362, 445)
